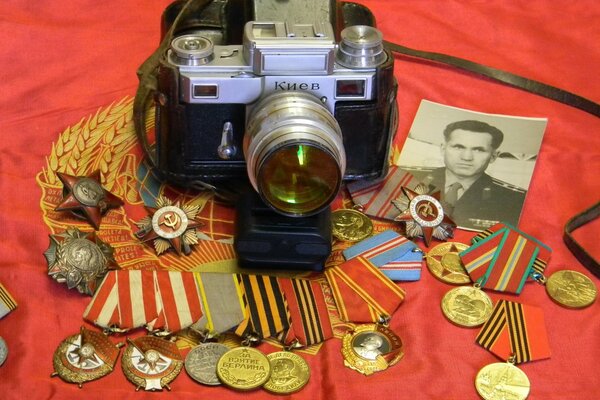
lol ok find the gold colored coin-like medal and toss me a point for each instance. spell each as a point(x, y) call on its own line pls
point(371, 348)
point(444, 263)
point(151, 363)
point(243, 368)
point(571, 289)
point(467, 306)
point(499, 381)
point(84, 357)
point(350, 225)
point(289, 373)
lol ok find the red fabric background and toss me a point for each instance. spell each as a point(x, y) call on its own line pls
point(61, 61)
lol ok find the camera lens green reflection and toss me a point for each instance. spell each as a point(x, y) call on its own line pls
point(299, 179)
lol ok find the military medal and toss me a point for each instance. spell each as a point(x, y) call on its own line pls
point(243, 368)
point(3, 351)
point(201, 362)
point(84, 357)
point(79, 259)
point(171, 225)
point(350, 225)
point(371, 348)
point(467, 306)
point(500, 381)
point(570, 289)
point(86, 198)
point(445, 264)
point(151, 363)
point(423, 215)
point(289, 373)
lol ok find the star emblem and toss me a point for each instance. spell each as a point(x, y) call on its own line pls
point(86, 198)
point(79, 259)
point(170, 225)
point(423, 215)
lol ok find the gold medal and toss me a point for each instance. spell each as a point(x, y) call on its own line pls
point(243, 368)
point(289, 373)
point(371, 348)
point(151, 363)
point(85, 357)
point(467, 306)
point(499, 381)
point(444, 263)
point(571, 289)
point(350, 225)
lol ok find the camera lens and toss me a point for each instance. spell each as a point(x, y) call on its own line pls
point(294, 153)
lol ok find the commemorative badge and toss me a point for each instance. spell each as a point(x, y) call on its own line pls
point(423, 215)
point(151, 363)
point(244, 368)
point(85, 357)
point(444, 263)
point(289, 373)
point(85, 197)
point(171, 225)
point(79, 259)
point(570, 289)
point(467, 306)
point(350, 225)
point(371, 348)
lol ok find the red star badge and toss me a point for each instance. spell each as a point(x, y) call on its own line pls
point(86, 198)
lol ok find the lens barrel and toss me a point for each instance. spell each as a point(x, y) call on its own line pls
point(294, 153)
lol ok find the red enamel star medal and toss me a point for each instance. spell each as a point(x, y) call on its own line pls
point(86, 198)
point(170, 225)
point(423, 215)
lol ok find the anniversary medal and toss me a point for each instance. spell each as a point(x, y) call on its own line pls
point(79, 259)
point(171, 225)
point(151, 363)
point(201, 362)
point(445, 264)
point(289, 373)
point(423, 215)
point(85, 357)
point(350, 225)
point(243, 368)
point(514, 332)
point(569, 289)
point(371, 348)
point(467, 306)
point(86, 198)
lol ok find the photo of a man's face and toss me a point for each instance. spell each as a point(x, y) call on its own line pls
point(468, 154)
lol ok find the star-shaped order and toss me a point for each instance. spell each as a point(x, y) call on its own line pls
point(170, 225)
point(86, 198)
point(423, 215)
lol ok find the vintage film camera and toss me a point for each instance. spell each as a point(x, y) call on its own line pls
point(292, 96)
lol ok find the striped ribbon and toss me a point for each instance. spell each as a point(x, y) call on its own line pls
point(7, 302)
point(515, 330)
point(362, 292)
point(504, 259)
point(309, 318)
point(376, 197)
point(266, 309)
point(380, 249)
point(221, 302)
point(406, 268)
point(160, 300)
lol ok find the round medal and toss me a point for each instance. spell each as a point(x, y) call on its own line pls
point(3, 351)
point(350, 225)
point(201, 362)
point(371, 348)
point(445, 264)
point(467, 306)
point(571, 289)
point(499, 381)
point(289, 373)
point(243, 368)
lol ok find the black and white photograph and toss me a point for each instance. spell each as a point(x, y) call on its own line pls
point(482, 163)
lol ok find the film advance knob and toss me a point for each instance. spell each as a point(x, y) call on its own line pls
point(361, 47)
point(192, 49)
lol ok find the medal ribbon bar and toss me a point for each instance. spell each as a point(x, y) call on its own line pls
point(7, 302)
point(221, 302)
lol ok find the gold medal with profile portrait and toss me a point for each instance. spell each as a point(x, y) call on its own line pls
point(289, 373)
point(467, 306)
point(371, 348)
point(350, 225)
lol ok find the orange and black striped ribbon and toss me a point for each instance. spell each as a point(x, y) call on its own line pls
point(309, 318)
point(7, 302)
point(515, 330)
point(362, 292)
point(266, 308)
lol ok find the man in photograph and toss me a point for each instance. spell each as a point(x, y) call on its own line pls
point(471, 197)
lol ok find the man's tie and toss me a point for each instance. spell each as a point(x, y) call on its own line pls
point(451, 195)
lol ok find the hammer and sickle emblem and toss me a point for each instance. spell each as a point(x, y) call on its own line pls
point(171, 220)
point(425, 210)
